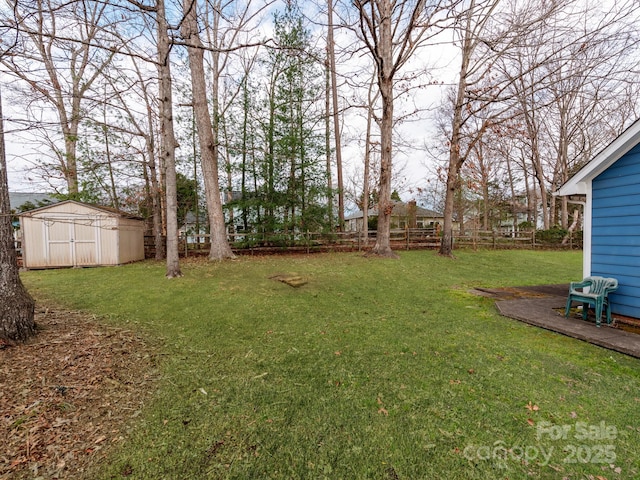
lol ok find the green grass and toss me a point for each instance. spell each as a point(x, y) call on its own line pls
point(375, 369)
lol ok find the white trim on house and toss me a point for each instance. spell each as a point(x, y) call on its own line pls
point(580, 183)
point(586, 239)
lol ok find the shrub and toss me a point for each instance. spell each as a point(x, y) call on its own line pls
point(554, 235)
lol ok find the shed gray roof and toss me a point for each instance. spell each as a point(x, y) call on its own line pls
point(109, 210)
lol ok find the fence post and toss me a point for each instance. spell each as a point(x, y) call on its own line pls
point(406, 232)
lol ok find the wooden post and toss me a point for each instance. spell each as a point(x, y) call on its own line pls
point(406, 232)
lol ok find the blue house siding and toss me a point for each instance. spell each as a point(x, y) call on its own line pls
point(615, 233)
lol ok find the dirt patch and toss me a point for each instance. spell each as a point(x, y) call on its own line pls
point(292, 279)
point(68, 394)
point(510, 293)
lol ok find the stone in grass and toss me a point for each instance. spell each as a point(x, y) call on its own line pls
point(291, 279)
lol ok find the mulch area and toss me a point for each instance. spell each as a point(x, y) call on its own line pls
point(68, 395)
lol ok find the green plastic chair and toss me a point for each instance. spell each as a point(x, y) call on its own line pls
point(599, 288)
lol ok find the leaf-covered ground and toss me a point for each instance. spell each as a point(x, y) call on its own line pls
point(68, 395)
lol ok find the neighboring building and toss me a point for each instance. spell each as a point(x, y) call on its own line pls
point(33, 200)
point(195, 232)
point(23, 201)
point(73, 234)
point(513, 217)
point(403, 215)
point(611, 183)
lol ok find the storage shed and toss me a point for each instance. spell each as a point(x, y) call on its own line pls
point(611, 183)
point(73, 234)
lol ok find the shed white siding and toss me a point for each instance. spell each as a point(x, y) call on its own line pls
point(72, 234)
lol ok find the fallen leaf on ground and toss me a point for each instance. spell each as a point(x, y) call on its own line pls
point(531, 407)
point(67, 393)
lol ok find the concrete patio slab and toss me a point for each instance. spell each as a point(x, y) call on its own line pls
point(537, 306)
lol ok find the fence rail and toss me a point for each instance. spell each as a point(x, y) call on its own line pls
point(400, 239)
point(522, 239)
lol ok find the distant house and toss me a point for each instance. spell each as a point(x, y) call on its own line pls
point(18, 200)
point(74, 234)
point(195, 231)
point(403, 215)
point(21, 202)
point(611, 184)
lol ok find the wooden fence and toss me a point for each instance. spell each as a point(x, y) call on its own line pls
point(401, 239)
point(523, 239)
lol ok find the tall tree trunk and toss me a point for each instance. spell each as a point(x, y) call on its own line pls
point(71, 163)
point(456, 159)
point(539, 175)
point(245, 146)
point(207, 131)
point(392, 32)
point(270, 157)
point(155, 189)
point(16, 305)
point(327, 137)
point(385, 72)
point(455, 164)
point(512, 188)
point(113, 192)
point(228, 170)
point(367, 170)
point(336, 115)
point(168, 147)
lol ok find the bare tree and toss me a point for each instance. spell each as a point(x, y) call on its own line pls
point(58, 59)
point(207, 132)
point(168, 143)
point(473, 22)
point(586, 82)
point(367, 163)
point(168, 140)
point(392, 31)
point(331, 54)
point(136, 102)
point(568, 75)
point(227, 26)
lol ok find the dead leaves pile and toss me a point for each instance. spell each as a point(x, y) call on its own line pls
point(67, 395)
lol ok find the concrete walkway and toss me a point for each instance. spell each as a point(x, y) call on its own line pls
point(536, 306)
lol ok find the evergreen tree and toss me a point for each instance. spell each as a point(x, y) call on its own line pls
point(294, 174)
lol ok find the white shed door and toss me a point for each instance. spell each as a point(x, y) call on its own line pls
point(72, 242)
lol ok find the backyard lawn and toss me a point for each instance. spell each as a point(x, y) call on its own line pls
point(374, 369)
